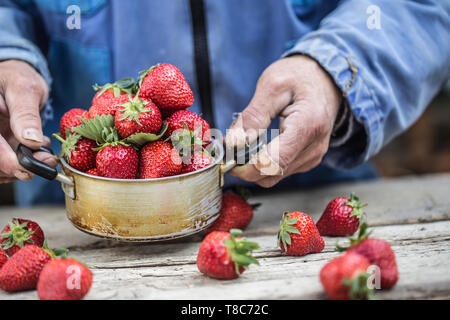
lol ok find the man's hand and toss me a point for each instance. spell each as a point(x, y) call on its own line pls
point(22, 93)
point(305, 97)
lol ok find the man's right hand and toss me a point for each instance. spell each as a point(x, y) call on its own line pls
point(23, 93)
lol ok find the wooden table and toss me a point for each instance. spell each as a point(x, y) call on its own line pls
point(412, 213)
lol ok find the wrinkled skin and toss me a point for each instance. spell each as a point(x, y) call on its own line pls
point(23, 93)
point(305, 97)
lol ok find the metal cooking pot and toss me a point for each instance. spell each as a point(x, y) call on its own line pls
point(140, 209)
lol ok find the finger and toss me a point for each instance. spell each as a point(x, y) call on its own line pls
point(9, 164)
point(272, 95)
point(23, 101)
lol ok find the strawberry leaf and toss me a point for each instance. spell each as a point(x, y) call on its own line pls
point(240, 250)
point(140, 139)
point(93, 129)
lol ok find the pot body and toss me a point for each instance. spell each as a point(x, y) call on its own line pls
point(143, 210)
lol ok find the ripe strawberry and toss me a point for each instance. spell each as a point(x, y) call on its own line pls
point(159, 159)
point(298, 234)
point(18, 233)
point(224, 255)
point(235, 213)
point(137, 115)
point(64, 279)
point(378, 252)
point(341, 217)
point(93, 172)
point(198, 161)
point(117, 160)
point(21, 271)
point(195, 124)
point(3, 258)
point(110, 96)
point(79, 152)
point(70, 119)
point(345, 277)
point(166, 86)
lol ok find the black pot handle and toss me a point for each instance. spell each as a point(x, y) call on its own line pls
point(29, 162)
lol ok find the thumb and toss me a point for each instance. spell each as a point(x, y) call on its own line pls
point(267, 102)
point(23, 102)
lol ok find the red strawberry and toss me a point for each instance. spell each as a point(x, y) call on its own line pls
point(341, 217)
point(108, 105)
point(93, 172)
point(298, 235)
point(198, 161)
point(195, 123)
point(117, 161)
point(138, 115)
point(159, 159)
point(345, 277)
point(70, 119)
point(21, 271)
point(224, 255)
point(64, 279)
point(378, 252)
point(3, 258)
point(110, 96)
point(79, 152)
point(166, 86)
point(235, 213)
point(20, 232)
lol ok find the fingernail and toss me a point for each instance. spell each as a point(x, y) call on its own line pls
point(21, 175)
point(32, 134)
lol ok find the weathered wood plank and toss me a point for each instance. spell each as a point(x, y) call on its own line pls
point(391, 201)
point(168, 270)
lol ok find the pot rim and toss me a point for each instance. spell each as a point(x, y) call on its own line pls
point(218, 159)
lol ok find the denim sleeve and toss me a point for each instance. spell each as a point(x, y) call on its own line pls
point(17, 41)
point(387, 72)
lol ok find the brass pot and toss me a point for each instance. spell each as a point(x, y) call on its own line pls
point(137, 209)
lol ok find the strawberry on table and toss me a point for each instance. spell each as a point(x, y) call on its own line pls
point(345, 277)
point(341, 217)
point(18, 233)
point(225, 255)
point(137, 115)
point(235, 213)
point(72, 118)
point(378, 252)
point(21, 271)
point(298, 234)
point(64, 279)
point(166, 86)
point(78, 151)
point(198, 161)
point(3, 258)
point(159, 159)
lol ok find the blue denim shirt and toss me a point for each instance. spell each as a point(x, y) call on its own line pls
point(388, 72)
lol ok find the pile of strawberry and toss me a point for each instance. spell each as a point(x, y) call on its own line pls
point(223, 254)
point(26, 263)
point(138, 129)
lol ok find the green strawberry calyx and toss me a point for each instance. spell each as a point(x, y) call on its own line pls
point(97, 129)
point(240, 250)
point(356, 205)
point(59, 252)
point(67, 145)
point(19, 234)
point(359, 289)
point(186, 141)
point(125, 85)
point(132, 109)
point(286, 228)
point(362, 235)
point(110, 137)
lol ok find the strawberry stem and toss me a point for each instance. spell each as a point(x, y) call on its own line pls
point(286, 229)
point(240, 250)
